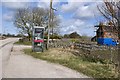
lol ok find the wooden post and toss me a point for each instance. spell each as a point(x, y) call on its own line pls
point(119, 41)
point(49, 24)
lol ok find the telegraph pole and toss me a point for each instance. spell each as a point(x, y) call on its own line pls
point(52, 21)
point(119, 41)
point(49, 24)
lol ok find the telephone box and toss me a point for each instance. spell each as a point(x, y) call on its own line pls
point(38, 39)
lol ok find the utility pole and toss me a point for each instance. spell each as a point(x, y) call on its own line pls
point(49, 24)
point(119, 41)
point(52, 23)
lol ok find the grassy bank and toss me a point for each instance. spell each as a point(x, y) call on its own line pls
point(23, 43)
point(92, 69)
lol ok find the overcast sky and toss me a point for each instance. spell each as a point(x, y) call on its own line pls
point(76, 16)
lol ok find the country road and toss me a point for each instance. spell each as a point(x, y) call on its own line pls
point(5, 49)
point(16, 64)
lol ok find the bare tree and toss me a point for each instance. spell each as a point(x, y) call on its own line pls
point(40, 16)
point(22, 19)
point(26, 18)
point(111, 11)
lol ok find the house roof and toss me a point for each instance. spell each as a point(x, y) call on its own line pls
point(107, 28)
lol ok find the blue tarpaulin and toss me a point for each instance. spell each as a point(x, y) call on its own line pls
point(106, 41)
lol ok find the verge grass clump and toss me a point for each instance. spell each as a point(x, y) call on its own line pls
point(23, 43)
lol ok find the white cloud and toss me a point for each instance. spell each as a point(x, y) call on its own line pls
point(16, 0)
point(87, 12)
point(77, 25)
point(83, 10)
point(15, 4)
point(76, 4)
point(8, 16)
point(0, 19)
point(43, 4)
point(70, 7)
point(46, 3)
point(82, 13)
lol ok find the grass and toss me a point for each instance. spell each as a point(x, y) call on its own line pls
point(103, 56)
point(92, 69)
point(23, 43)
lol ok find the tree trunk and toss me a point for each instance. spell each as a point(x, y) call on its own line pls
point(29, 36)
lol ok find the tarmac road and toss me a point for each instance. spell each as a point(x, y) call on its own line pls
point(5, 49)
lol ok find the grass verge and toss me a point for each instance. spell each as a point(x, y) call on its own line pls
point(23, 43)
point(92, 69)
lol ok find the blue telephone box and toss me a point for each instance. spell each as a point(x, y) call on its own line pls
point(38, 39)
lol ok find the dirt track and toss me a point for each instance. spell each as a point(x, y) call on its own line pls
point(21, 65)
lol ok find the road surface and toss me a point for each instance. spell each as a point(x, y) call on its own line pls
point(5, 49)
point(19, 65)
